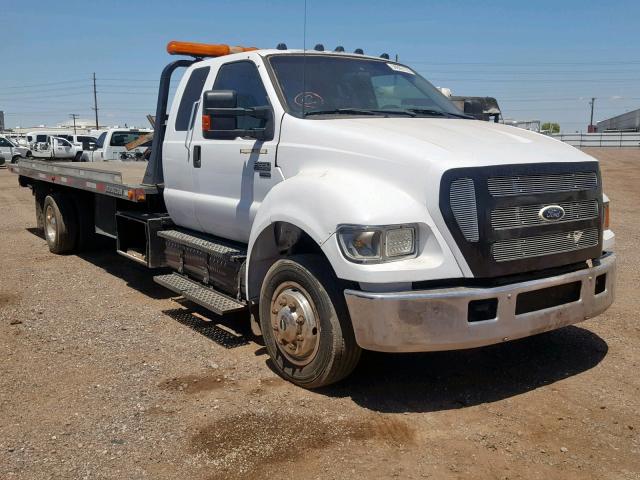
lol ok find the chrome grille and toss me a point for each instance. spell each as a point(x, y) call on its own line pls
point(534, 184)
point(462, 197)
point(528, 247)
point(527, 215)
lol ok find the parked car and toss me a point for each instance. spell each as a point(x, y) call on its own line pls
point(10, 151)
point(40, 136)
point(111, 145)
point(55, 148)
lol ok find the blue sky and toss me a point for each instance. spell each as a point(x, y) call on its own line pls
point(542, 60)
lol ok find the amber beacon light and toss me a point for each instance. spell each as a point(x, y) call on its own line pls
point(204, 49)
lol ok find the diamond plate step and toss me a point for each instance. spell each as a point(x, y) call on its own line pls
point(197, 293)
point(221, 248)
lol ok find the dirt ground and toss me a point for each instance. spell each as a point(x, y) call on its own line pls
point(104, 375)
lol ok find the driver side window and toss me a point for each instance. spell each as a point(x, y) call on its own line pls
point(243, 77)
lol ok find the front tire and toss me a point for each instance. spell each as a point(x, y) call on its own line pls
point(305, 322)
point(15, 159)
point(60, 223)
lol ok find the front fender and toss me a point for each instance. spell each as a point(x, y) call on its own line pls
point(318, 201)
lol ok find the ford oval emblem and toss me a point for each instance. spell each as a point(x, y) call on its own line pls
point(551, 213)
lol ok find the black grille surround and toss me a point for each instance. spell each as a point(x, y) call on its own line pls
point(480, 254)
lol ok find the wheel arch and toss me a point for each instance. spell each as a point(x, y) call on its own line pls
point(276, 240)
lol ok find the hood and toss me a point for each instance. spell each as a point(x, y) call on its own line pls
point(456, 142)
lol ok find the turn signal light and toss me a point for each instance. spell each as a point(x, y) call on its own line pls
point(204, 49)
point(206, 123)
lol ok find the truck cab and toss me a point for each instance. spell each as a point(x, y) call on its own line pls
point(421, 209)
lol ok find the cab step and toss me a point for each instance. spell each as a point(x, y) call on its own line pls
point(204, 296)
point(220, 248)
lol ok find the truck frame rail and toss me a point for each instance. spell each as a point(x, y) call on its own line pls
point(112, 183)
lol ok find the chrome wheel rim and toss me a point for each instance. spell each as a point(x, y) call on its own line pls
point(50, 223)
point(294, 320)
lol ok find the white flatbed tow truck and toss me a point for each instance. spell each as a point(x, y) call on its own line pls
point(343, 203)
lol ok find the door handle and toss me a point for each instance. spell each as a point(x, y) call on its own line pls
point(197, 156)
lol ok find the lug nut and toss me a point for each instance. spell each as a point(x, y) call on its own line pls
point(292, 306)
point(300, 338)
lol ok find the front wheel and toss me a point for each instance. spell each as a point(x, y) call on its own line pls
point(305, 322)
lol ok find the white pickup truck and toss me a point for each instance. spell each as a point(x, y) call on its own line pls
point(55, 148)
point(10, 151)
point(343, 203)
point(112, 145)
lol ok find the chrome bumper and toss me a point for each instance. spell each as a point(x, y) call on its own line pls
point(429, 320)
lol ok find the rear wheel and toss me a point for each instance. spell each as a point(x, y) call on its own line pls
point(60, 223)
point(15, 159)
point(305, 322)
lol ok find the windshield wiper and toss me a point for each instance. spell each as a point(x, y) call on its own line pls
point(341, 111)
point(438, 113)
point(359, 111)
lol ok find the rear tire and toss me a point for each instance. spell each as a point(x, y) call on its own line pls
point(15, 159)
point(60, 223)
point(305, 322)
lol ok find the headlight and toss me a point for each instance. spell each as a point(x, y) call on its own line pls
point(377, 244)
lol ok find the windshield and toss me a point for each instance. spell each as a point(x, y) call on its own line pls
point(354, 86)
point(120, 139)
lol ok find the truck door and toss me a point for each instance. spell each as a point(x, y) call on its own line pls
point(62, 148)
point(176, 163)
point(232, 177)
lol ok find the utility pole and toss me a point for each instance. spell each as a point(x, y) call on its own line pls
point(74, 116)
point(95, 100)
point(592, 102)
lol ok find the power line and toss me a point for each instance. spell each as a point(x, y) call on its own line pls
point(43, 84)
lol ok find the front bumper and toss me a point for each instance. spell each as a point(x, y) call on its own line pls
point(438, 319)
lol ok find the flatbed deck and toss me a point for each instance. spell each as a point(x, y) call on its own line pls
point(112, 178)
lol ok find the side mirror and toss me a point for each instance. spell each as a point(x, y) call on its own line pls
point(220, 114)
point(89, 146)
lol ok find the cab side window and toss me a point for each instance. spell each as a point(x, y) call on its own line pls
point(4, 143)
point(243, 77)
point(100, 141)
point(191, 94)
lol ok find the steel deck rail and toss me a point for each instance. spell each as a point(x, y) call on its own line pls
point(106, 182)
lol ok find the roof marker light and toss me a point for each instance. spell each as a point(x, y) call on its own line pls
point(281, 46)
point(359, 51)
point(339, 48)
point(204, 49)
point(385, 56)
point(319, 47)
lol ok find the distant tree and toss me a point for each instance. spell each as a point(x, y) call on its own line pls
point(551, 127)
